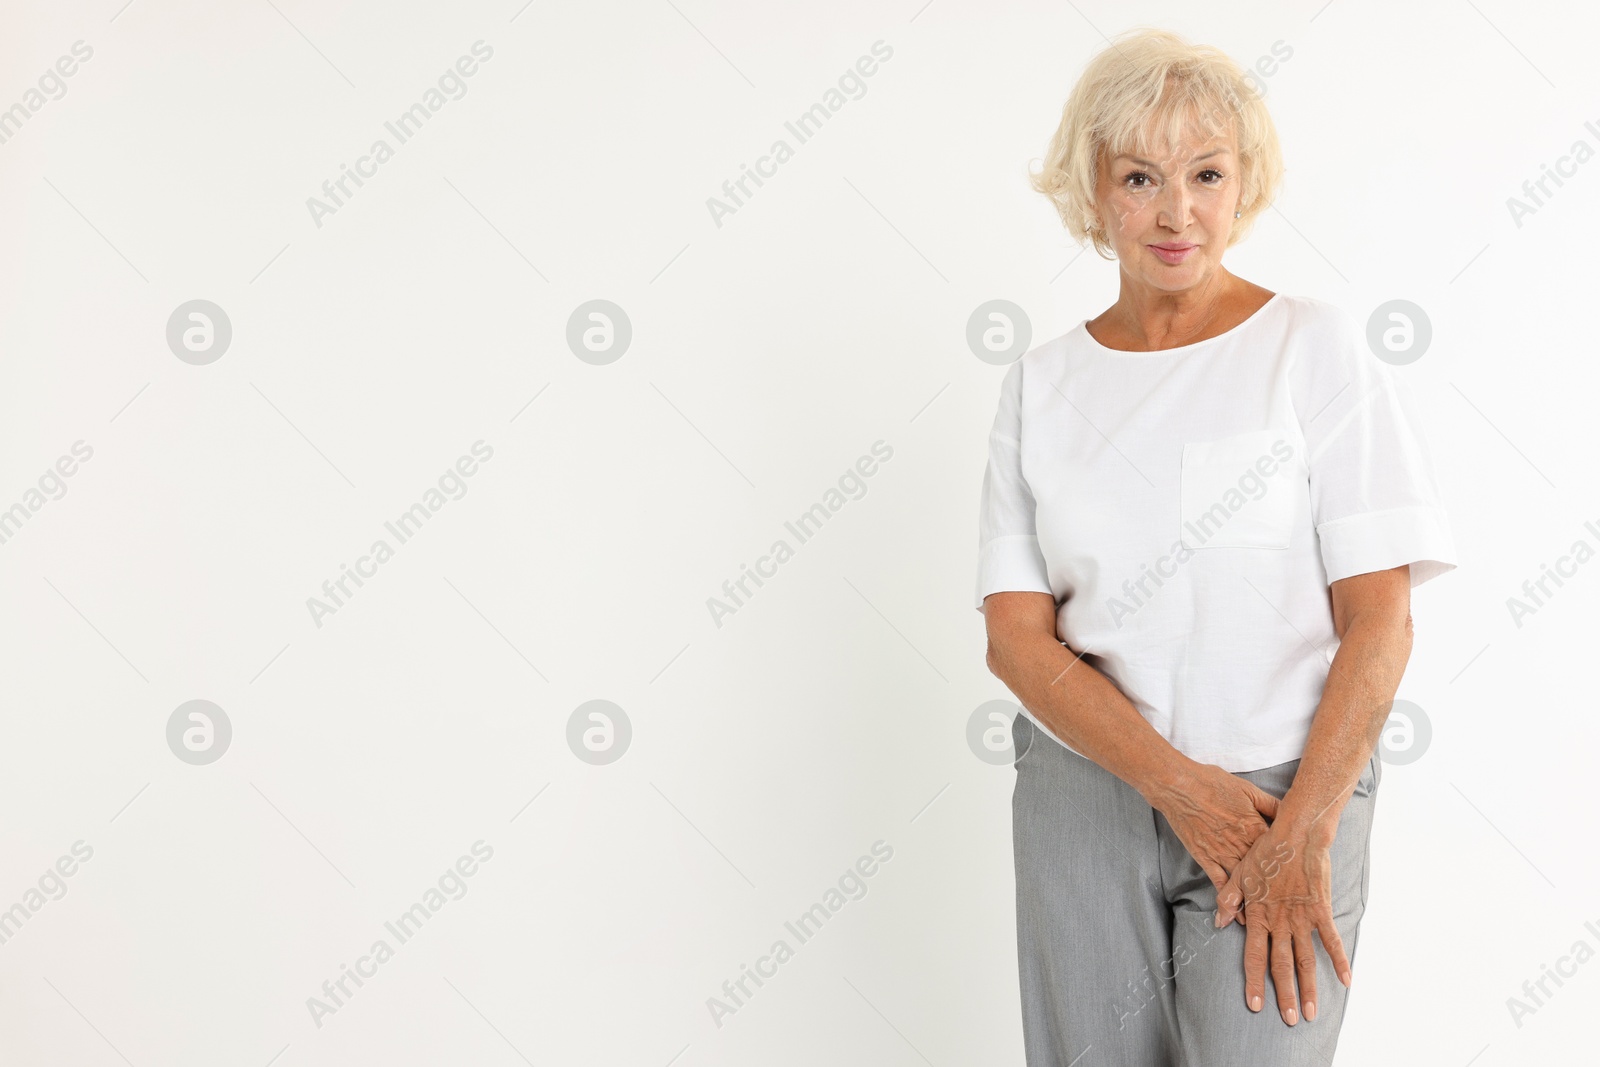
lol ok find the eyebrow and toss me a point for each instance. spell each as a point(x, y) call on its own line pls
point(1148, 163)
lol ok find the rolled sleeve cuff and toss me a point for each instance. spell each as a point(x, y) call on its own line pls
point(1012, 563)
point(1380, 540)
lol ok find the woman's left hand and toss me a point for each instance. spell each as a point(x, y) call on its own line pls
point(1284, 885)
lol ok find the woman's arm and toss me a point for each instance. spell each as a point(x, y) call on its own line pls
point(1079, 704)
point(1217, 815)
point(1372, 616)
point(1283, 885)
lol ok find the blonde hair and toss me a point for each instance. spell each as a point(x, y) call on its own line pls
point(1154, 79)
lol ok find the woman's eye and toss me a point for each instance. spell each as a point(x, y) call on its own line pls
point(1141, 180)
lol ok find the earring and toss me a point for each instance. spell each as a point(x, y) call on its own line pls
point(1237, 214)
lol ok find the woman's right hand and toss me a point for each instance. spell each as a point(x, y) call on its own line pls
point(1217, 816)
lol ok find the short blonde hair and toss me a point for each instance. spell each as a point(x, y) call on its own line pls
point(1154, 80)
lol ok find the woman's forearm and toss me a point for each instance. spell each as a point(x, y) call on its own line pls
point(1355, 704)
point(1083, 708)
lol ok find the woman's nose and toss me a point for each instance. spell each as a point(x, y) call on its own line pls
point(1174, 213)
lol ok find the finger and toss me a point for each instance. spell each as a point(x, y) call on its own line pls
point(1229, 897)
point(1305, 970)
point(1283, 975)
point(1214, 871)
point(1255, 965)
point(1265, 802)
point(1335, 946)
point(1247, 829)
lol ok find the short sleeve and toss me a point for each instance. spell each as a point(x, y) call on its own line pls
point(1375, 498)
point(1009, 559)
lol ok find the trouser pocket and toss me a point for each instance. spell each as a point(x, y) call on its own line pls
point(1022, 731)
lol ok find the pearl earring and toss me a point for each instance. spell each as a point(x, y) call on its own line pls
point(1237, 214)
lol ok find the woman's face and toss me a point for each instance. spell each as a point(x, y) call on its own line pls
point(1168, 212)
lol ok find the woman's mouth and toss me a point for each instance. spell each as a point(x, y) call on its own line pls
point(1173, 253)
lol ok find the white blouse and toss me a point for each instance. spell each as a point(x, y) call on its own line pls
point(1188, 509)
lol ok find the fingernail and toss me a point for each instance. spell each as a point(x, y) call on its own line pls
point(1255, 1003)
point(1311, 1010)
point(1346, 976)
point(1289, 1017)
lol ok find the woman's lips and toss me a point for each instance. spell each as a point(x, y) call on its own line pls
point(1173, 255)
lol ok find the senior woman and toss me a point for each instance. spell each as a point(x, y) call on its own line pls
point(1203, 514)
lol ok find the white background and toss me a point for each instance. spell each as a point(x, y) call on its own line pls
point(768, 354)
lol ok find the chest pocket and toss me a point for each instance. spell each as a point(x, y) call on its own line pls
point(1240, 491)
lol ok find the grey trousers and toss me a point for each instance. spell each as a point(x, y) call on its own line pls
point(1120, 965)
